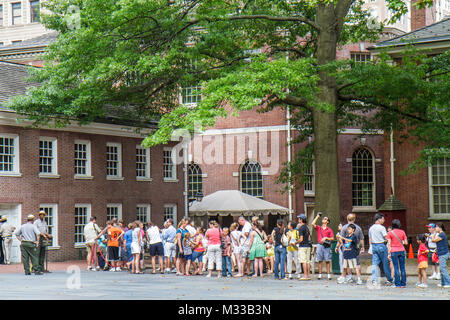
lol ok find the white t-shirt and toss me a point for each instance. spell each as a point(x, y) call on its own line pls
point(431, 244)
point(246, 228)
point(377, 233)
point(135, 235)
point(154, 235)
point(91, 231)
point(191, 230)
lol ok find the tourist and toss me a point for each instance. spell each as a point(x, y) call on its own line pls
point(128, 239)
point(305, 247)
point(270, 259)
point(214, 251)
point(324, 238)
point(190, 227)
point(226, 253)
point(181, 231)
point(199, 250)
point(235, 235)
point(377, 238)
point(187, 251)
point(397, 241)
point(257, 248)
point(156, 247)
point(440, 239)
point(422, 260)
point(29, 235)
point(432, 249)
point(350, 251)
point(113, 235)
point(136, 248)
point(168, 236)
point(244, 245)
point(42, 226)
point(144, 243)
point(280, 249)
point(6, 232)
point(292, 250)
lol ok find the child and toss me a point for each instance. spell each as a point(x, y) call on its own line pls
point(187, 251)
point(226, 253)
point(350, 251)
point(270, 259)
point(422, 259)
point(391, 265)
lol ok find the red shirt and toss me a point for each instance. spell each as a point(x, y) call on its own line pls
point(213, 235)
point(422, 255)
point(323, 233)
point(396, 246)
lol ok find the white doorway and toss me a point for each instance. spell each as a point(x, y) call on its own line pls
point(13, 214)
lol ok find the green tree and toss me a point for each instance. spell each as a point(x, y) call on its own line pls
point(130, 57)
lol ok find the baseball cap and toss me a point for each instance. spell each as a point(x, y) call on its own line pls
point(302, 216)
point(431, 225)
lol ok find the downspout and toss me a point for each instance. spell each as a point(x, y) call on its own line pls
point(185, 169)
point(392, 162)
point(288, 116)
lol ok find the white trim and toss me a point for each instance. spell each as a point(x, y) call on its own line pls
point(311, 193)
point(88, 174)
point(173, 178)
point(54, 233)
point(119, 159)
point(147, 176)
point(16, 160)
point(211, 132)
point(438, 216)
point(373, 207)
point(119, 210)
point(54, 161)
point(88, 217)
point(149, 212)
point(175, 213)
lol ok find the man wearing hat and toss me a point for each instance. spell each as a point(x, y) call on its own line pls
point(6, 232)
point(29, 236)
point(305, 245)
point(432, 248)
point(43, 229)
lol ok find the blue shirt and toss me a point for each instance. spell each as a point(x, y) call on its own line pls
point(128, 236)
point(441, 246)
point(183, 232)
point(350, 250)
point(169, 234)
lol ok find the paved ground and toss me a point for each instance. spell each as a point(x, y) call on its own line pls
point(60, 285)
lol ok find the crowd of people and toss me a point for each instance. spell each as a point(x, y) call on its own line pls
point(244, 249)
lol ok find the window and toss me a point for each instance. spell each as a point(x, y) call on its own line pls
point(251, 179)
point(82, 158)
point(1, 16)
point(170, 211)
point(439, 177)
point(113, 210)
point(169, 167)
point(143, 213)
point(82, 216)
point(360, 57)
point(35, 11)
point(9, 154)
point(114, 160)
point(47, 156)
point(16, 13)
point(309, 184)
point(195, 180)
point(363, 186)
point(142, 163)
point(52, 221)
point(191, 95)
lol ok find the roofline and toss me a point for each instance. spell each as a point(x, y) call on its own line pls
point(432, 45)
point(19, 64)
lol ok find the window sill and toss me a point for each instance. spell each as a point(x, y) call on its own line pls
point(49, 176)
point(54, 248)
point(79, 246)
point(364, 209)
point(115, 178)
point(83, 177)
point(171, 180)
point(439, 217)
point(15, 175)
point(144, 179)
point(309, 194)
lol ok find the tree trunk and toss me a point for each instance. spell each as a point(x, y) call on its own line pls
point(325, 123)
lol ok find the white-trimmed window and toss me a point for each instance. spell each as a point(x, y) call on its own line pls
point(35, 11)
point(82, 158)
point(439, 182)
point(362, 57)
point(170, 211)
point(113, 210)
point(251, 179)
point(143, 213)
point(48, 160)
point(169, 167)
point(9, 154)
point(16, 13)
point(113, 161)
point(310, 181)
point(363, 179)
point(142, 163)
point(82, 216)
point(191, 95)
point(1, 15)
point(195, 177)
point(51, 218)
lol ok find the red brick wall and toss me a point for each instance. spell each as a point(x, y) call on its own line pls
point(31, 191)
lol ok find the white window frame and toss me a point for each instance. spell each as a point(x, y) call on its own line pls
point(88, 174)
point(119, 157)
point(173, 178)
point(433, 216)
point(149, 212)
point(198, 88)
point(29, 10)
point(54, 233)
point(88, 217)
point(373, 207)
point(119, 210)
point(147, 164)
point(311, 193)
point(11, 19)
point(175, 213)
point(54, 173)
point(16, 156)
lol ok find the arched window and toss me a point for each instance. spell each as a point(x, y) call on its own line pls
point(195, 180)
point(251, 179)
point(363, 180)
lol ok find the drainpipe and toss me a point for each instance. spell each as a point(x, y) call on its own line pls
point(288, 116)
point(185, 169)
point(392, 162)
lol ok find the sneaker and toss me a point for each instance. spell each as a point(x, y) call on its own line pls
point(438, 276)
point(341, 280)
point(423, 285)
point(433, 276)
point(329, 276)
point(88, 268)
point(208, 276)
point(319, 277)
point(118, 269)
point(97, 268)
point(299, 276)
point(388, 284)
point(350, 280)
point(174, 270)
point(290, 276)
point(359, 282)
point(112, 270)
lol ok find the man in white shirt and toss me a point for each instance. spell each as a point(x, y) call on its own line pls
point(6, 232)
point(42, 226)
point(190, 227)
point(91, 232)
point(245, 242)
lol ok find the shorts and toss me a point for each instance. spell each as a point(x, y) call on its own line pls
point(430, 260)
point(304, 254)
point(169, 250)
point(188, 257)
point(423, 265)
point(323, 254)
point(350, 263)
point(157, 249)
point(89, 246)
point(135, 248)
point(178, 254)
point(245, 252)
point(113, 253)
point(197, 256)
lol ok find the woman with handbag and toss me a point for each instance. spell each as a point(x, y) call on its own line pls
point(257, 248)
point(324, 237)
point(281, 242)
point(440, 239)
point(396, 251)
